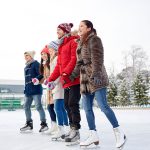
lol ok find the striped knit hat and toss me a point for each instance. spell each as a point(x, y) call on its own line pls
point(66, 27)
point(54, 45)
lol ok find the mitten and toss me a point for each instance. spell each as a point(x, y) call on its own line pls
point(35, 81)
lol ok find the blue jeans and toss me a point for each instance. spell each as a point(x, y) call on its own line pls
point(101, 99)
point(38, 105)
point(61, 113)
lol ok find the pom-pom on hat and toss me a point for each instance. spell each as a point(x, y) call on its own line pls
point(30, 53)
point(66, 27)
point(45, 50)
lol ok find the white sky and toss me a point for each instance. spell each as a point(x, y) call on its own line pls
point(30, 24)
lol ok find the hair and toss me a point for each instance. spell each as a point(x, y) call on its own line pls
point(47, 64)
point(89, 24)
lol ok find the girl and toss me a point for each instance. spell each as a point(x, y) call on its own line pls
point(58, 95)
point(45, 71)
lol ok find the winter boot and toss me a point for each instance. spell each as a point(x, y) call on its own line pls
point(120, 137)
point(60, 134)
point(92, 139)
point(44, 127)
point(73, 136)
point(28, 126)
point(54, 127)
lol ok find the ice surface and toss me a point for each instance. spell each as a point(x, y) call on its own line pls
point(135, 123)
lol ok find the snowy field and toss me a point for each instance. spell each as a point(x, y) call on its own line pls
point(135, 123)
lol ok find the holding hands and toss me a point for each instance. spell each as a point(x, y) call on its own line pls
point(35, 81)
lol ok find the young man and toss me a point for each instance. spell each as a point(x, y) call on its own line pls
point(65, 64)
point(33, 91)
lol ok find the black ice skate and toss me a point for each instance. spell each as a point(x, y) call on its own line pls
point(44, 127)
point(28, 126)
point(73, 138)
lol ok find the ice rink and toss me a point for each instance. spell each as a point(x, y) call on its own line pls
point(135, 123)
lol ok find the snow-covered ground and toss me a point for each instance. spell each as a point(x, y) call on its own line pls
point(135, 123)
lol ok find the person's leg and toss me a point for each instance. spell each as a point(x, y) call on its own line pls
point(50, 108)
point(58, 109)
point(102, 102)
point(65, 116)
point(27, 107)
point(74, 98)
point(87, 102)
point(39, 107)
point(66, 102)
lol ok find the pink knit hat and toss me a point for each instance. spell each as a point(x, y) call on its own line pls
point(45, 50)
point(66, 27)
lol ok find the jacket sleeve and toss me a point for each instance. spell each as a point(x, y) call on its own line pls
point(70, 66)
point(37, 70)
point(97, 55)
point(55, 74)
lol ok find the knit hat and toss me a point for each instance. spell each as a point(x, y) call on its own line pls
point(30, 53)
point(54, 45)
point(66, 27)
point(45, 50)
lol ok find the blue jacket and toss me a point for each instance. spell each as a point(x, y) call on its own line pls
point(32, 71)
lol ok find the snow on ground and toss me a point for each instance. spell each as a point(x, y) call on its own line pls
point(135, 123)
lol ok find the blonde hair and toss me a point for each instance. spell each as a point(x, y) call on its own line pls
point(74, 33)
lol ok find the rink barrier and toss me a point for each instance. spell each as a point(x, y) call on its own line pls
point(10, 104)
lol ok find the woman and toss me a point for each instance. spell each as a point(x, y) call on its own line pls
point(94, 82)
point(45, 71)
point(58, 95)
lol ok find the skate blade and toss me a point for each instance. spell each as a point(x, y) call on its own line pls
point(122, 146)
point(72, 143)
point(57, 139)
point(26, 131)
point(90, 146)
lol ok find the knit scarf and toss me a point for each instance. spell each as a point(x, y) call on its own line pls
point(60, 41)
point(29, 62)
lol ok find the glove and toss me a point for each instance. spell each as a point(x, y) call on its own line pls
point(72, 77)
point(97, 81)
point(51, 85)
point(45, 82)
point(35, 81)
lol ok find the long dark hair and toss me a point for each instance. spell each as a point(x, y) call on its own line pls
point(89, 24)
point(47, 64)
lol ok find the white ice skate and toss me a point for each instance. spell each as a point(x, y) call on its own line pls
point(59, 135)
point(53, 129)
point(92, 139)
point(120, 138)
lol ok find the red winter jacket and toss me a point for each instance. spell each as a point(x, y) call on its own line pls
point(66, 62)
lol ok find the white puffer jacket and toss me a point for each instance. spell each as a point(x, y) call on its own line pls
point(58, 91)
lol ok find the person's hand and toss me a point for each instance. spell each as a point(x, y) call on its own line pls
point(97, 81)
point(51, 85)
point(45, 82)
point(72, 77)
point(35, 81)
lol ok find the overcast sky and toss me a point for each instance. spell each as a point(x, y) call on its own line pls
point(30, 24)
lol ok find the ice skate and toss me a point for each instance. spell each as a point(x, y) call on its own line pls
point(28, 127)
point(59, 135)
point(44, 127)
point(120, 138)
point(73, 138)
point(53, 129)
point(92, 139)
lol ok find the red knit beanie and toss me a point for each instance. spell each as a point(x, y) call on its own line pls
point(45, 50)
point(66, 27)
